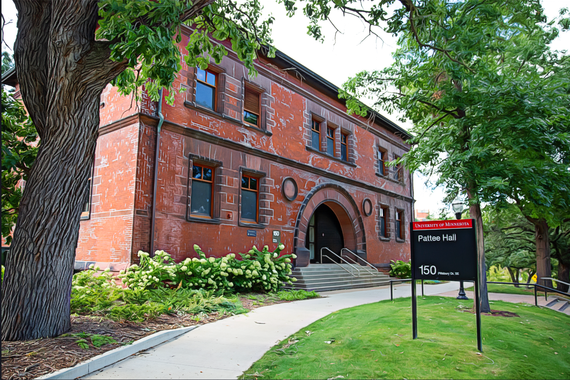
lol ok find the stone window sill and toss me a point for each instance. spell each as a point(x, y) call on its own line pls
point(251, 225)
point(203, 220)
point(382, 238)
point(398, 240)
point(386, 177)
point(225, 117)
point(311, 149)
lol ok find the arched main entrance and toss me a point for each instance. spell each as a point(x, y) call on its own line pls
point(324, 231)
point(341, 208)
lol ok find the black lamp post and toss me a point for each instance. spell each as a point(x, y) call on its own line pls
point(458, 210)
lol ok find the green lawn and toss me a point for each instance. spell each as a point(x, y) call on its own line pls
point(375, 341)
point(510, 289)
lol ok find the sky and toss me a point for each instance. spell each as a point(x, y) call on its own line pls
point(339, 57)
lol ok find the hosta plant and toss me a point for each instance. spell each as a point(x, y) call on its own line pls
point(257, 270)
point(400, 269)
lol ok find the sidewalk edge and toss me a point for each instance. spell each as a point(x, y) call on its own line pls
point(111, 357)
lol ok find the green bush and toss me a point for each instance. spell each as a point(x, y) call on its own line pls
point(96, 293)
point(400, 269)
point(158, 285)
point(256, 271)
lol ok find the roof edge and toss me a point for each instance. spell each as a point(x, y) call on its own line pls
point(325, 84)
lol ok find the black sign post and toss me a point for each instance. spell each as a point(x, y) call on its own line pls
point(445, 250)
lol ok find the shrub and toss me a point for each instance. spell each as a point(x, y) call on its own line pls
point(256, 271)
point(96, 293)
point(400, 269)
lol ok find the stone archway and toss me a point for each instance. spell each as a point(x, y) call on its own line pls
point(344, 208)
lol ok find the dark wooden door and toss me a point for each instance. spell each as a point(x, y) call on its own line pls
point(327, 233)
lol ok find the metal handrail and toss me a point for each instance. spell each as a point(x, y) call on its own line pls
point(334, 262)
point(546, 289)
point(557, 280)
point(374, 270)
point(355, 263)
point(401, 280)
point(341, 259)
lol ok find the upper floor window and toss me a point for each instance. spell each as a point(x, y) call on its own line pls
point(201, 204)
point(383, 222)
point(85, 212)
point(344, 146)
point(398, 170)
point(206, 88)
point(330, 141)
point(316, 134)
point(251, 108)
point(382, 162)
point(400, 231)
point(249, 198)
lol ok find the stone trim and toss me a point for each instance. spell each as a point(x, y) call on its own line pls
point(336, 196)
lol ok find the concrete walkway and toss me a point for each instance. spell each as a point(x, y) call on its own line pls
point(513, 298)
point(225, 349)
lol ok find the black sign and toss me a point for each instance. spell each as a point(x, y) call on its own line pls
point(252, 233)
point(444, 250)
point(276, 237)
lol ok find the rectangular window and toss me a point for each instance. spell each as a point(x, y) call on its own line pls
point(382, 162)
point(330, 141)
point(383, 222)
point(316, 135)
point(398, 171)
point(206, 88)
point(251, 109)
point(249, 198)
point(87, 204)
point(344, 147)
point(202, 191)
point(400, 224)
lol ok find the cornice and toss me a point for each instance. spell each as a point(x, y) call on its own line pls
point(121, 123)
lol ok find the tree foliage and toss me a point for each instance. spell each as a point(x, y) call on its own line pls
point(487, 96)
point(19, 151)
point(509, 241)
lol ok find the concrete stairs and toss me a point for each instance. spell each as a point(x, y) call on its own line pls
point(326, 277)
point(559, 304)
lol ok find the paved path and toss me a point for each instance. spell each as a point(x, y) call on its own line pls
point(514, 298)
point(225, 349)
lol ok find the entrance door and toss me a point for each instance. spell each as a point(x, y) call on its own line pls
point(324, 231)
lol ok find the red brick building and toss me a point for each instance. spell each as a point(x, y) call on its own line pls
point(241, 160)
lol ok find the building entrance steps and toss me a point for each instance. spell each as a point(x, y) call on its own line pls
point(328, 277)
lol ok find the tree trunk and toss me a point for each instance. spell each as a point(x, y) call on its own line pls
point(39, 268)
point(475, 212)
point(542, 240)
point(563, 275)
point(62, 71)
point(513, 277)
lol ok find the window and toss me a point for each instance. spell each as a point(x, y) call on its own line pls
point(330, 141)
point(398, 170)
point(206, 88)
point(249, 198)
point(344, 146)
point(251, 109)
point(400, 231)
point(316, 135)
point(87, 203)
point(383, 222)
point(201, 204)
point(382, 161)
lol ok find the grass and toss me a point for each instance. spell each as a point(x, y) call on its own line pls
point(375, 341)
point(509, 289)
